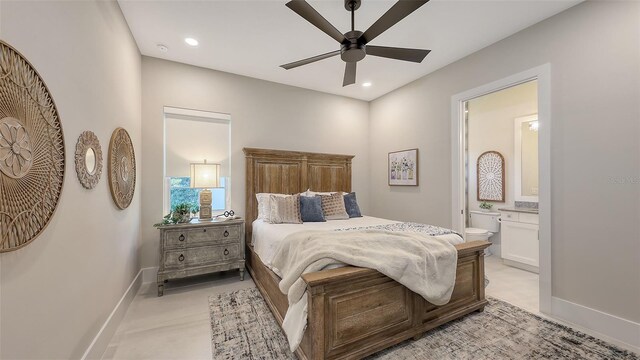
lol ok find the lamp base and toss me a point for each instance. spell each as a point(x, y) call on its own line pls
point(205, 205)
point(205, 212)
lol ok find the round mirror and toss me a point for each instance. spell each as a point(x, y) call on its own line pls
point(90, 161)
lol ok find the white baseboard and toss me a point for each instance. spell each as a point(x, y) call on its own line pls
point(621, 332)
point(102, 339)
point(149, 274)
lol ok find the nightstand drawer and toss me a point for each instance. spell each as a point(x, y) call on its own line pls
point(206, 255)
point(224, 233)
point(175, 259)
point(175, 238)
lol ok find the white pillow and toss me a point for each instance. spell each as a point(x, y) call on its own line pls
point(310, 193)
point(264, 205)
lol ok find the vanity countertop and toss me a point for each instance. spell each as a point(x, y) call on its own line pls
point(519, 209)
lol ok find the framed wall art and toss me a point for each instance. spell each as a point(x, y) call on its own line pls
point(490, 172)
point(32, 153)
point(403, 168)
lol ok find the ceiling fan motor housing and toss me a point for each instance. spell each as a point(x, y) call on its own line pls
point(348, 4)
point(351, 50)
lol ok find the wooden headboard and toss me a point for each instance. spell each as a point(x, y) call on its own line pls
point(292, 172)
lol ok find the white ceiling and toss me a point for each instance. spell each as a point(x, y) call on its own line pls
point(253, 38)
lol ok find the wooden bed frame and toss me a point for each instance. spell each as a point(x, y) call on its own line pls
point(352, 312)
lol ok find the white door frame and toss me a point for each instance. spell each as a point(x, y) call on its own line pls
point(458, 129)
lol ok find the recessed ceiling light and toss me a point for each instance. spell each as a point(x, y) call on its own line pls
point(163, 48)
point(366, 84)
point(191, 41)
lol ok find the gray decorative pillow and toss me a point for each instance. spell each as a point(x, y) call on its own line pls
point(351, 204)
point(333, 207)
point(311, 209)
point(285, 209)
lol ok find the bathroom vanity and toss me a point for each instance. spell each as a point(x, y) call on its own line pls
point(520, 231)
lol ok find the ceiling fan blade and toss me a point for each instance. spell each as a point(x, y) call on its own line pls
point(302, 8)
point(397, 12)
point(415, 55)
point(349, 74)
point(309, 60)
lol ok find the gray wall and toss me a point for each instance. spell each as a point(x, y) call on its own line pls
point(263, 114)
point(58, 291)
point(490, 127)
point(594, 52)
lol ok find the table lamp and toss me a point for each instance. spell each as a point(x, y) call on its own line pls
point(205, 176)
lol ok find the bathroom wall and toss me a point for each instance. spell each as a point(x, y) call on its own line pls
point(490, 126)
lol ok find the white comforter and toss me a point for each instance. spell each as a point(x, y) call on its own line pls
point(424, 264)
point(267, 237)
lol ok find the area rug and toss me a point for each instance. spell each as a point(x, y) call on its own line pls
point(243, 328)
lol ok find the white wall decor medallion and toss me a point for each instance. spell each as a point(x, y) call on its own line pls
point(490, 172)
point(88, 159)
point(121, 168)
point(32, 158)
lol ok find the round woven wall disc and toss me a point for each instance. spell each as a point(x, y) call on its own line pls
point(32, 157)
point(122, 168)
point(88, 154)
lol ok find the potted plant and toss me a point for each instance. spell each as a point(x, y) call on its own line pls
point(180, 214)
point(485, 206)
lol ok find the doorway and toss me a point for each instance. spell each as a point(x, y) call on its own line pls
point(464, 158)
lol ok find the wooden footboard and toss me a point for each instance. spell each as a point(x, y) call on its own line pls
point(354, 312)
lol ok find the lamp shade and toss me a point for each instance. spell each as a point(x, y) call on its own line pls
point(205, 175)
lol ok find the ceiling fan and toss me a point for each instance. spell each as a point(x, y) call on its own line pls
point(354, 44)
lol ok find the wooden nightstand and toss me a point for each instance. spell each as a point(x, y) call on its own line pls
point(200, 247)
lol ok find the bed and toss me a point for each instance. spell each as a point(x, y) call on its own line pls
point(352, 312)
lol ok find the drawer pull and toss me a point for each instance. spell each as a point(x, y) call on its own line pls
point(226, 252)
point(226, 233)
point(181, 258)
point(181, 238)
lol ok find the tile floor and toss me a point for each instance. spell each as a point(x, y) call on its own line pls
point(177, 325)
point(174, 326)
point(515, 286)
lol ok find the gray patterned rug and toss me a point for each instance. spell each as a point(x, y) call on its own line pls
point(243, 328)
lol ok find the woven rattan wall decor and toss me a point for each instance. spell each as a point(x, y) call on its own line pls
point(32, 157)
point(491, 176)
point(88, 159)
point(121, 168)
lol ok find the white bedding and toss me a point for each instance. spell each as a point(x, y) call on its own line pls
point(266, 239)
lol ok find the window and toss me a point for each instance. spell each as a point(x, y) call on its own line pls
point(193, 136)
point(181, 192)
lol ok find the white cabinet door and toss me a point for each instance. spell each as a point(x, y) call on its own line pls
point(520, 242)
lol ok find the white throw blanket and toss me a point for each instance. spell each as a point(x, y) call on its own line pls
point(424, 264)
